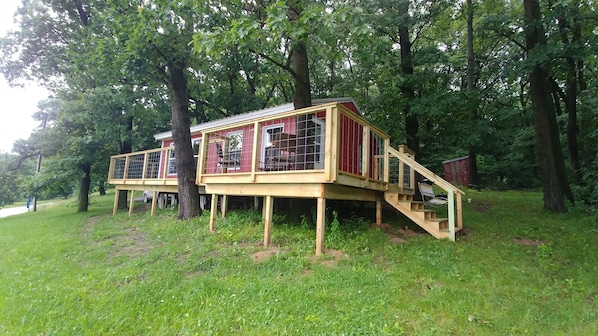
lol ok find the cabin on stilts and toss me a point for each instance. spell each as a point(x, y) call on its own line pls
point(324, 152)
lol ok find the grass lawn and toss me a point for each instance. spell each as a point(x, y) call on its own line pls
point(518, 271)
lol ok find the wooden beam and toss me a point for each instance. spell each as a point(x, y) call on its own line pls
point(144, 169)
point(267, 216)
point(126, 171)
point(257, 135)
point(201, 160)
point(154, 202)
point(213, 209)
point(365, 154)
point(386, 161)
point(329, 154)
point(257, 189)
point(320, 218)
point(224, 205)
point(451, 215)
point(132, 202)
point(115, 208)
point(459, 211)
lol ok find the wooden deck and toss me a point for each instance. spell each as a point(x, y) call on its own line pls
point(322, 152)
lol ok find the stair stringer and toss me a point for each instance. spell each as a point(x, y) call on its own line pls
point(415, 211)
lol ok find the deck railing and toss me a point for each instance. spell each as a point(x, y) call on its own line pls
point(319, 144)
point(454, 194)
point(145, 167)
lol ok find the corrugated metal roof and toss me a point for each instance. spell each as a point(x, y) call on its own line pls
point(253, 115)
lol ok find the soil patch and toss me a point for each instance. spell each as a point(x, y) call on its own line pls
point(407, 233)
point(329, 258)
point(91, 221)
point(396, 236)
point(133, 244)
point(527, 242)
point(383, 226)
point(264, 255)
point(397, 240)
point(480, 206)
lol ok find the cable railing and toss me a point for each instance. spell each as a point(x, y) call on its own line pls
point(146, 167)
point(454, 194)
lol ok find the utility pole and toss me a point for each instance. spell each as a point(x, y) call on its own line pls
point(39, 164)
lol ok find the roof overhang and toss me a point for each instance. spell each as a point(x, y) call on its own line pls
point(254, 115)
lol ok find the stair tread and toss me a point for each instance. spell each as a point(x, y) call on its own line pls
point(437, 219)
point(424, 210)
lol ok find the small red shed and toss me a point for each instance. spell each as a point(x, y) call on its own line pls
point(457, 170)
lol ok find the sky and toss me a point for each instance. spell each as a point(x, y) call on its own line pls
point(17, 105)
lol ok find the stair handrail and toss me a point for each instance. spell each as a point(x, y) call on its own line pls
point(439, 181)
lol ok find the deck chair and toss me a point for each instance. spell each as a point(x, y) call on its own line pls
point(427, 191)
point(224, 161)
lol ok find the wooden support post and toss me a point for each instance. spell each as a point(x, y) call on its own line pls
point(451, 215)
point(126, 172)
point(257, 134)
point(154, 201)
point(201, 160)
point(115, 208)
point(402, 171)
point(144, 169)
point(132, 202)
point(213, 209)
point(267, 213)
point(331, 145)
point(386, 162)
point(320, 218)
point(459, 211)
point(224, 205)
point(365, 155)
point(378, 212)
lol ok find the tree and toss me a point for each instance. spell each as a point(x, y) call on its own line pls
point(156, 38)
point(550, 156)
point(474, 178)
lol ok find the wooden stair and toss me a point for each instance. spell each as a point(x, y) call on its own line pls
point(415, 211)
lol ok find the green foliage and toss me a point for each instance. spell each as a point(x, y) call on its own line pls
point(15, 178)
point(110, 71)
point(156, 275)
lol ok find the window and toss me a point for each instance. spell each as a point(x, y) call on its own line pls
point(319, 143)
point(196, 143)
point(235, 149)
point(268, 135)
point(171, 161)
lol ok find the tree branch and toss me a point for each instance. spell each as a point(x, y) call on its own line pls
point(285, 67)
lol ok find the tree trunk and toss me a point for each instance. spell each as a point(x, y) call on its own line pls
point(407, 91)
point(126, 147)
point(102, 188)
point(302, 95)
point(84, 187)
point(185, 164)
point(301, 98)
point(549, 150)
point(474, 178)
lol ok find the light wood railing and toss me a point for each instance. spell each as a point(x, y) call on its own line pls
point(455, 209)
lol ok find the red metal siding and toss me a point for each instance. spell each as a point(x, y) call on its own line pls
point(457, 170)
point(351, 107)
point(350, 142)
